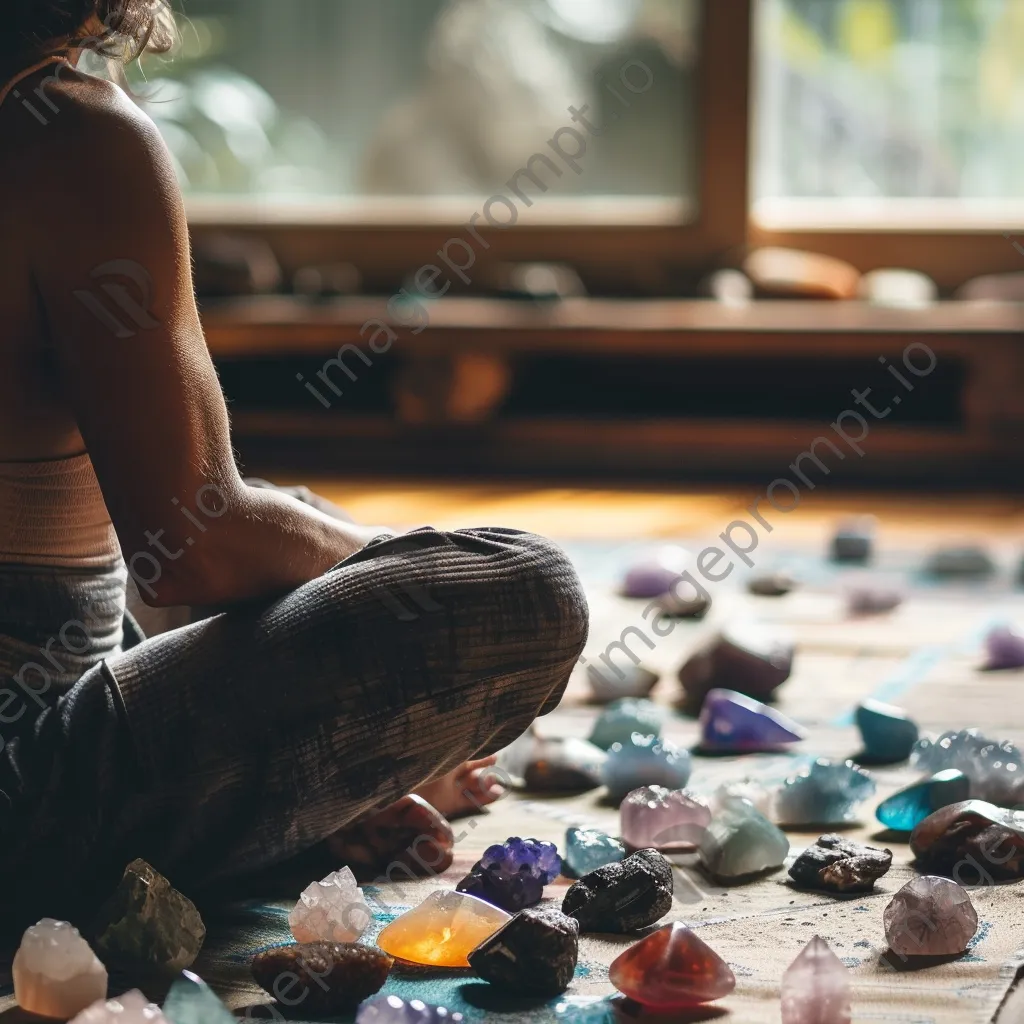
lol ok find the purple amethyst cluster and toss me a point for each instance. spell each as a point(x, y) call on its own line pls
point(512, 875)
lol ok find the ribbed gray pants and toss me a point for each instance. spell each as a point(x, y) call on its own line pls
point(239, 741)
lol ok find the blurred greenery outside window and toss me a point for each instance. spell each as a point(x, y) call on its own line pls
point(349, 105)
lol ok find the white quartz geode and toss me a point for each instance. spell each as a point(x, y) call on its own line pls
point(56, 973)
point(131, 1008)
point(332, 909)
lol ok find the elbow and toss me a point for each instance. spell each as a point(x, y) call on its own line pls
point(195, 581)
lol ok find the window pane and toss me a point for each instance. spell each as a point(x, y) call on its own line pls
point(329, 100)
point(875, 99)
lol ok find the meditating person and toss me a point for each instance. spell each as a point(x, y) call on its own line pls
point(348, 666)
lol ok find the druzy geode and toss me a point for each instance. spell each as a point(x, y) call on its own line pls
point(995, 767)
point(731, 722)
point(535, 953)
point(973, 842)
point(512, 875)
point(904, 810)
point(622, 897)
point(836, 864)
point(740, 843)
point(930, 916)
point(823, 793)
point(587, 849)
point(671, 969)
point(324, 978)
point(644, 761)
point(887, 732)
point(147, 926)
point(622, 718)
point(748, 658)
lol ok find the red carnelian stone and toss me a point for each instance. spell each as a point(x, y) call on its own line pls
point(670, 969)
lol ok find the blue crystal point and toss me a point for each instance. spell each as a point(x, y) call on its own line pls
point(903, 810)
point(625, 716)
point(823, 793)
point(888, 734)
point(587, 850)
point(191, 1001)
point(731, 721)
point(645, 761)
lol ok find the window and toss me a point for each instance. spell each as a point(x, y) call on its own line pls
point(344, 108)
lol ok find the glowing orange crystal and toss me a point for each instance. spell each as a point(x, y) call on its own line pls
point(443, 930)
point(671, 969)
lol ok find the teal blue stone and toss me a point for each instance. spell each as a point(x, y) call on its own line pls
point(625, 716)
point(192, 1001)
point(905, 809)
point(586, 850)
point(888, 734)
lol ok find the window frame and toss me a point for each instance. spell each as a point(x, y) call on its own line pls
point(648, 258)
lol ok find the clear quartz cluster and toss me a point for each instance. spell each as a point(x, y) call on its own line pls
point(56, 973)
point(995, 767)
point(131, 1008)
point(333, 909)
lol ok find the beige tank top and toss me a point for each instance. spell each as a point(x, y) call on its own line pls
point(52, 511)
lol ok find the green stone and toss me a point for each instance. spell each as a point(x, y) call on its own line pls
point(192, 1001)
point(148, 926)
point(740, 843)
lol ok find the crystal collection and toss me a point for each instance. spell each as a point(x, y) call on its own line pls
point(587, 849)
point(671, 969)
point(657, 818)
point(147, 925)
point(325, 978)
point(823, 793)
point(512, 875)
point(905, 810)
point(930, 916)
point(535, 953)
point(887, 733)
point(995, 767)
point(55, 971)
point(332, 910)
point(622, 897)
point(623, 717)
point(645, 761)
point(731, 722)
point(443, 930)
point(835, 864)
point(816, 987)
point(978, 841)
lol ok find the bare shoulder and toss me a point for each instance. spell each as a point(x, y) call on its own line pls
point(66, 131)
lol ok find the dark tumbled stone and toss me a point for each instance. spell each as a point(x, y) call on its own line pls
point(333, 977)
point(622, 897)
point(840, 865)
point(536, 953)
point(773, 584)
point(972, 842)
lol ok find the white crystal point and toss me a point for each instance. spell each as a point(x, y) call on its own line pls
point(131, 1008)
point(56, 973)
point(332, 909)
point(930, 916)
point(816, 987)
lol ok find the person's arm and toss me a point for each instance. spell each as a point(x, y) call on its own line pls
point(145, 394)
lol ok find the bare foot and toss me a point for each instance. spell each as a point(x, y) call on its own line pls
point(466, 790)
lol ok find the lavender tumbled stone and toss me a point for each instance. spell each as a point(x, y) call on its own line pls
point(1004, 649)
point(733, 722)
point(930, 916)
point(656, 575)
point(657, 818)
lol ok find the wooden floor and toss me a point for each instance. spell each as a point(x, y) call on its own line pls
point(581, 513)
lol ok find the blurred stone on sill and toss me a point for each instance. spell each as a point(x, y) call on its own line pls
point(327, 281)
point(538, 282)
point(795, 274)
point(898, 288)
point(993, 288)
point(228, 265)
point(464, 388)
